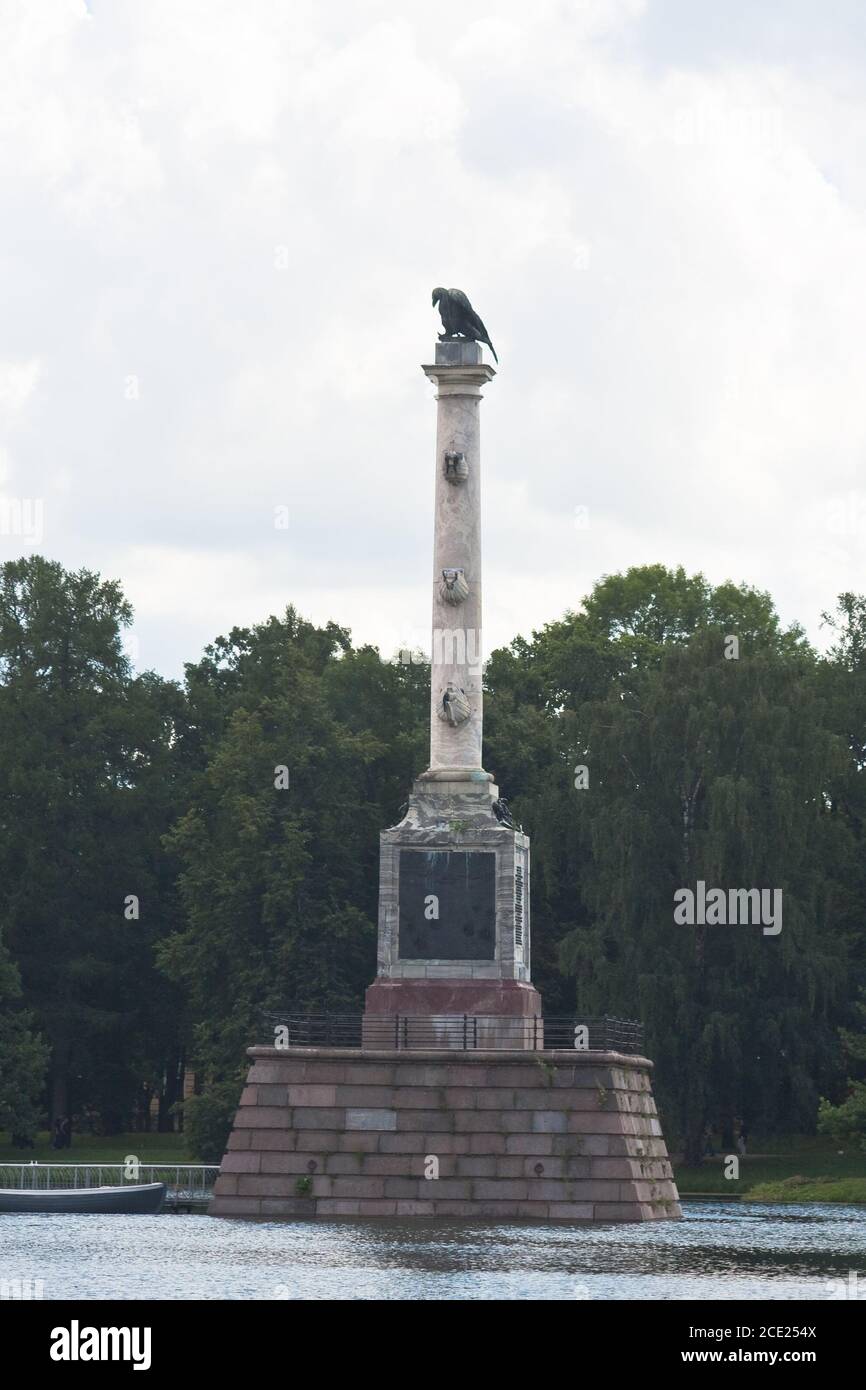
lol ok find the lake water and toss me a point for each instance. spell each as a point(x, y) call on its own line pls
point(721, 1250)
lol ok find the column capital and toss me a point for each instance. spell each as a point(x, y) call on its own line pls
point(459, 369)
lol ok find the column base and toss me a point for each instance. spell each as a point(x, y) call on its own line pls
point(455, 774)
point(412, 1013)
point(426, 998)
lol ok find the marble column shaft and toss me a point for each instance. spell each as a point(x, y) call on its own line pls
point(456, 655)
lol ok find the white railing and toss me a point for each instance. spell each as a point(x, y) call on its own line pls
point(186, 1182)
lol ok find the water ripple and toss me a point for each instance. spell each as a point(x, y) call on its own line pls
point(720, 1251)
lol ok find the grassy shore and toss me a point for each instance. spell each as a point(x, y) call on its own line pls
point(784, 1168)
point(96, 1148)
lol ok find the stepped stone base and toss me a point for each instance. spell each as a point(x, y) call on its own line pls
point(334, 1132)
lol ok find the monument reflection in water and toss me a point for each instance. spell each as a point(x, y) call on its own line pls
point(450, 1104)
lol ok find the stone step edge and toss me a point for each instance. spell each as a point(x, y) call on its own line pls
point(453, 1055)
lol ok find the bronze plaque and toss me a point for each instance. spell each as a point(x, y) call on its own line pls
point(447, 905)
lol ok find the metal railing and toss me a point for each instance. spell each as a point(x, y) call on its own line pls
point(458, 1032)
point(186, 1182)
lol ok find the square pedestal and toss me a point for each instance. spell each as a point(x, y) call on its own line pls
point(454, 891)
point(563, 1136)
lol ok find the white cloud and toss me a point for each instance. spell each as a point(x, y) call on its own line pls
point(245, 207)
point(17, 384)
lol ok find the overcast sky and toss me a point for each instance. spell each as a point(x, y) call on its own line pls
point(220, 225)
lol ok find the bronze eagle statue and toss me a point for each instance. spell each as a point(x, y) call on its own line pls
point(459, 319)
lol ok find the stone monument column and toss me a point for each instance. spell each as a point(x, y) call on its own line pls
point(456, 713)
point(454, 874)
point(453, 1057)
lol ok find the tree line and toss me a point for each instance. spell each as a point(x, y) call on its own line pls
point(162, 885)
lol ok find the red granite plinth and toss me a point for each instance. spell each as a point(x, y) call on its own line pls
point(452, 1013)
point(435, 998)
point(555, 1136)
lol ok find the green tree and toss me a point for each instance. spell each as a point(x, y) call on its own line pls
point(843, 678)
point(85, 784)
point(309, 747)
point(23, 1058)
point(847, 1120)
point(699, 767)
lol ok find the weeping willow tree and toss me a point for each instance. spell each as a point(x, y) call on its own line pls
point(701, 759)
